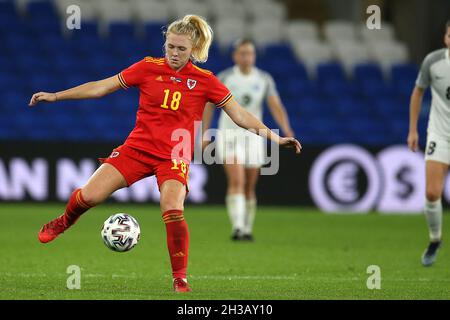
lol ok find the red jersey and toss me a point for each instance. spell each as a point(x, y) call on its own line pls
point(170, 100)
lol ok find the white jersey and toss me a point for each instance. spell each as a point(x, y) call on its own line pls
point(435, 72)
point(249, 90)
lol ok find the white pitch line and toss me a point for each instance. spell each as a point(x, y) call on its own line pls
point(224, 277)
point(241, 277)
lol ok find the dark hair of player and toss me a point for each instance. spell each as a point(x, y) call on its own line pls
point(242, 41)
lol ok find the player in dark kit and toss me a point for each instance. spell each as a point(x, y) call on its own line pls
point(173, 94)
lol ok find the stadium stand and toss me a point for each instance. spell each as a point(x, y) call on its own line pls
point(338, 82)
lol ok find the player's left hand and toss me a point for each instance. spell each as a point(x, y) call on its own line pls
point(291, 143)
point(42, 97)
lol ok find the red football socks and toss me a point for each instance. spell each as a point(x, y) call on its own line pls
point(75, 208)
point(177, 241)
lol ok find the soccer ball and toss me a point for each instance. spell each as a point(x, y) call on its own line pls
point(121, 232)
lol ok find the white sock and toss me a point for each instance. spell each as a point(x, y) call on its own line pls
point(236, 210)
point(250, 212)
point(433, 213)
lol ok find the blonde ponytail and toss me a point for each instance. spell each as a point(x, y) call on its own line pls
point(199, 32)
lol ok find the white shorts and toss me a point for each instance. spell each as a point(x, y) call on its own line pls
point(438, 148)
point(241, 147)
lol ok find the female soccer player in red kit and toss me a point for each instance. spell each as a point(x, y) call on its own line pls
point(173, 94)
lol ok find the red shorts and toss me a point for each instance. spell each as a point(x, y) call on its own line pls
point(135, 165)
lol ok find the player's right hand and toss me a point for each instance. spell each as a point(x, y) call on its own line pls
point(290, 142)
point(413, 141)
point(42, 96)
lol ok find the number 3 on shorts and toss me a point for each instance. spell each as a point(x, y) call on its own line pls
point(431, 148)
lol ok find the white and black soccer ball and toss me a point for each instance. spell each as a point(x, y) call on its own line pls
point(121, 232)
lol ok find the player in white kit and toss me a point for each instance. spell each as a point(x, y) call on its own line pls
point(434, 72)
point(243, 153)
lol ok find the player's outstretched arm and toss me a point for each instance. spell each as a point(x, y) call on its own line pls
point(246, 120)
point(414, 110)
point(89, 90)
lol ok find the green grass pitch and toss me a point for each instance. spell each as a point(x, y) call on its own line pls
point(299, 253)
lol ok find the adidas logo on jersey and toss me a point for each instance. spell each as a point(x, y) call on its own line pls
point(178, 254)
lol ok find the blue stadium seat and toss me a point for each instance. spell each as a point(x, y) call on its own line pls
point(213, 64)
point(91, 45)
point(125, 102)
point(102, 63)
point(10, 81)
point(315, 107)
point(156, 48)
point(325, 127)
point(59, 123)
point(403, 78)
point(296, 87)
point(367, 130)
point(371, 88)
point(369, 81)
point(330, 70)
point(21, 28)
point(291, 105)
point(89, 29)
point(368, 71)
point(214, 50)
point(8, 9)
point(8, 130)
point(9, 19)
point(54, 44)
point(153, 39)
point(225, 63)
point(353, 107)
point(278, 52)
point(7, 63)
point(399, 131)
point(227, 51)
point(46, 27)
point(68, 62)
point(335, 88)
point(43, 81)
point(121, 29)
point(332, 81)
point(153, 30)
point(41, 9)
point(13, 100)
point(21, 43)
point(131, 58)
point(26, 120)
point(76, 78)
point(32, 63)
point(100, 123)
point(391, 108)
point(282, 69)
point(124, 45)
